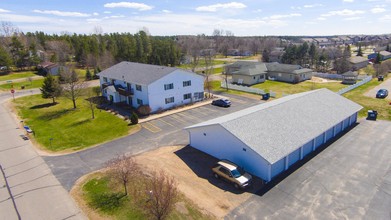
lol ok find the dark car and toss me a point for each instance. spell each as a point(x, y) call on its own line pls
point(222, 102)
point(382, 93)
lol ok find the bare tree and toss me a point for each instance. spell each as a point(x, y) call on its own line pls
point(122, 169)
point(91, 101)
point(72, 86)
point(61, 48)
point(162, 192)
point(208, 58)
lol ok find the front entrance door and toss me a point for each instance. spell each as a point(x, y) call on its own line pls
point(111, 99)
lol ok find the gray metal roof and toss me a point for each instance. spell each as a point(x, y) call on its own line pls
point(138, 73)
point(277, 128)
point(358, 59)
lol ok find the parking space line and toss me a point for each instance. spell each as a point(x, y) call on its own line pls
point(168, 123)
point(179, 119)
point(188, 115)
point(237, 100)
point(150, 127)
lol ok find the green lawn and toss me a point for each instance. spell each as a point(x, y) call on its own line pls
point(17, 75)
point(370, 103)
point(103, 195)
point(61, 128)
point(18, 85)
point(286, 88)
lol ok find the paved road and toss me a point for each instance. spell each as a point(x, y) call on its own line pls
point(384, 85)
point(164, 131)
point(350, 179)
point(37, 193)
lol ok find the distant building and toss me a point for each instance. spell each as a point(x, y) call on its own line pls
point(50, 68)
point(358, 62)
point(384, 55)
point(250, 73)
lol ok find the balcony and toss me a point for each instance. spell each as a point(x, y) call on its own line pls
point(125, 92)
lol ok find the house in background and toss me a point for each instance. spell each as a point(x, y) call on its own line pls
point(54, 69)
point(276, 54)
point(358, 62)
point(269, 138)
point(250, 73)
point(159, 87)
point(384, 55)
point(247, 72)
point(288, 72)
point(349, 78)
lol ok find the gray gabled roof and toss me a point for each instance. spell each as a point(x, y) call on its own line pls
point(277, 128)
point(357, 59)
point(138, 73)
point(286, 68)
point(247, 68)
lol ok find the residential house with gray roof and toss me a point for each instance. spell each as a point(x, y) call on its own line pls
point(159, 87)
point(250, 72)
point(269, 138)
point(358, 62)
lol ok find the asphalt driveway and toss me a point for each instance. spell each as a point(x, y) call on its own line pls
point(350, 179)
point(384, 85)
point(165, 131)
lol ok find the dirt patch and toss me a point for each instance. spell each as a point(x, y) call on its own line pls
point(192, 170)
point(321, 80)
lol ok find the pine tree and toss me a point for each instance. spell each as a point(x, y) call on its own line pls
point(359, 52)
point(88, 74)
point(378, 58)
point(134, 118)
point(50, 88)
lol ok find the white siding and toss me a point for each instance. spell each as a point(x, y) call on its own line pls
point(142, 95)
point(226, 146)
point(157, 94)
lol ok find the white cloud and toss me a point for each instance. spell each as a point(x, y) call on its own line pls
point(93, 20)
point(4, 11)
point(352, 18)
point(345, 12)
point(215, 7)
point(107, 12)
point(133, 5)
point(62, 13)
point(295, 7)
point(385, 18)
point(95, 13)
point(348, 1)
point(274, 17)
point(321, 19)
point(166, 11)
point(378, 10)
point(313, 6)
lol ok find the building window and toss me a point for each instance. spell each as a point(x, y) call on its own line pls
point(168, 86)
point(104, 79)
point(169, 100)
point(187, 96)
point(113, 81)
point(198, 95)
point(138, 87)
point(139, 102)
point(186, 83)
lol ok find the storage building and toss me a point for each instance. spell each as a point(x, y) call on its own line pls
point(268, 138)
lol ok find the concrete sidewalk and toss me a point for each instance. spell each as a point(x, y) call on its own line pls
point(35, 190)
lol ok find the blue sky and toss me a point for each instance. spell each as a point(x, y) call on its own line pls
point(179, 17)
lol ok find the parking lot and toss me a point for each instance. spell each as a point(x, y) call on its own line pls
point(164, 131)
point(197, 115)
point(350, 179)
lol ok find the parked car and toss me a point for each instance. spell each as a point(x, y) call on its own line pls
point(28, 129)
point(222, 102)
point(232, 173)
point(382, 93)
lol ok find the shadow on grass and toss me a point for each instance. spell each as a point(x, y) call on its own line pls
point(53, 115)
point(107, 202)
point(46, 105)
point(81, 122)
